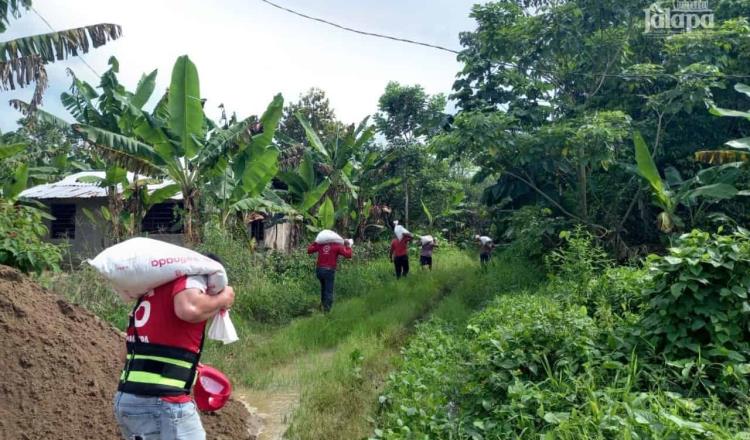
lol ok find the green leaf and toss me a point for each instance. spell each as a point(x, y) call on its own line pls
point(270, 122)
point(312, 137)
point(258, 167)
point(742, 88)
point(426, 211)
point(162, 194)
point(741, 144)
point(647, 169)
point(185, 109)
point(717, 191)
point(307, 171)
point(18, 183)
point(729, 113)
point(9, 150)
point(326, 214)
point(127, 152)
point(555, 418)
point(144, 90)
point(312, 197)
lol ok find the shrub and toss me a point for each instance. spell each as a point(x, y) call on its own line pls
point(531, 231)
point(577, 263)
point(22, 232)
point(699, 300)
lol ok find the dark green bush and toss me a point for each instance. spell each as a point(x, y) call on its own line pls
point(22, 232)
point(699, 300)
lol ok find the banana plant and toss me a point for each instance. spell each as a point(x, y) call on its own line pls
point(715, 157)
point(339, 163)
point(176, 140)
point(303, 187)
point(695, 195)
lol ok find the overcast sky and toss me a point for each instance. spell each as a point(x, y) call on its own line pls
point(247, 51)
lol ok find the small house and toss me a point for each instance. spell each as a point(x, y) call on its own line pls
point(77, 207)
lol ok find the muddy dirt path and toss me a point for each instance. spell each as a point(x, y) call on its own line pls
point(270, 411)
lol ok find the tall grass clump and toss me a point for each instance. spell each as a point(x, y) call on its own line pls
point(85, 287)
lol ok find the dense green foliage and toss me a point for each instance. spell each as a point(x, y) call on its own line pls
point(595, 353)
point(698, 309)
point(550, 95)
point(21, 245)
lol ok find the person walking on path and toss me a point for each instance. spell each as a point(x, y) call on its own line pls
point(399, 255)
point(425, 254)
point(164, 344)
point(485, 250)
point(326, 268)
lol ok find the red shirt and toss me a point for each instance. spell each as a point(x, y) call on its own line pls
point(399, 248)
point(328, 254)
point(157, 322)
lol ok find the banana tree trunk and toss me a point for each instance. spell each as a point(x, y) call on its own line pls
point(115, 209)
point(190, 200)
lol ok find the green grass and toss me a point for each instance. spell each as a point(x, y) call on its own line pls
point(340, 362)
point(336, 362)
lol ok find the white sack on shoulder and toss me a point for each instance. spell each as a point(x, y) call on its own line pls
point(222, 329)
point(139, 265)
point(327, 237)
point(425, 239)
point(400, 231)
point(485, 240)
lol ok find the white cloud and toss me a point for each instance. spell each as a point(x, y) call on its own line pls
point(247, 51)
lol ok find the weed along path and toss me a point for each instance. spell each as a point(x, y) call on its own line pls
point(320, 376)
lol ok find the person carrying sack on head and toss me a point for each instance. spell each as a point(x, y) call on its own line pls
point(485, 249)
point(425, 254)
point(327, 263)
point(164, 344)
point(399, 252)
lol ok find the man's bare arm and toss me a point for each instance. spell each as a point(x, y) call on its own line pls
point(194, 306)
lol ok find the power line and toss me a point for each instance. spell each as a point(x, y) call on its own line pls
point(502, 63)
point(357, 31)
point(53, 30)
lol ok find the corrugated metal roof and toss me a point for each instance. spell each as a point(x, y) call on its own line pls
point(71, 188)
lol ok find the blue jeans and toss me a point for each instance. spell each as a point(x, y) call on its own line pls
point(150, 418)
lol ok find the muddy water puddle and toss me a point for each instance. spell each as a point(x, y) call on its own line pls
point(271, 411)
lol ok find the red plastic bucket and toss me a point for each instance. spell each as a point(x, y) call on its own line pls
point(212, 389)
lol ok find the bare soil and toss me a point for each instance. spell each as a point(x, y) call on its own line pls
point(59, 366)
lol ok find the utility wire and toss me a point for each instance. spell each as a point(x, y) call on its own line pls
point(53, 30)
point(357, 31)
point(501, 63)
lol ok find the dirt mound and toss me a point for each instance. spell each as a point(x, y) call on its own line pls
point(59, 366)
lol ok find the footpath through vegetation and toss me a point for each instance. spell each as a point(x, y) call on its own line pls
point(320, 376)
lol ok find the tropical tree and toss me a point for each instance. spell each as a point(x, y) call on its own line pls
point(407, 117)
point(548, 92)
point(22, 60)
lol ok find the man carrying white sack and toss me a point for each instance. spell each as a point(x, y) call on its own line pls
point(164, 343)
point(329, 246)
point(425, 254)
